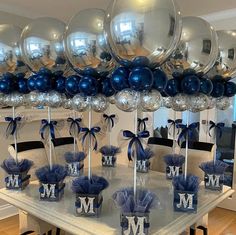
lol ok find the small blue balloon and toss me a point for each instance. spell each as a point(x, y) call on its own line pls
point(190, 84)
point(88, 86)
point(230, 89)
point(160, 80)
point(218, 89)
point(5, 86)
point(107, 89)
point(173, 87)
point(206, 86)
point(140, 61)
point(90, 72)
point(45, 71)
point(60, 84)
point(22, 86)
point(177, 75)
point(72, 84)
point(8, 76)
point(43, 83)
point(31, 82)
point(141, 79)
point(189, 72)
point(119, 79)
point(20, 75)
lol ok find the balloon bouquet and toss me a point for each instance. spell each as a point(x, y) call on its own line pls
point(138, 55)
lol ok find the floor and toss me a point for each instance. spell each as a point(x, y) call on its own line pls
point(221, 222)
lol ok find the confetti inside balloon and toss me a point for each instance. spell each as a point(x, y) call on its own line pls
point(150, 101)
point(99, 103)
point(198, 103)
point(180, 103)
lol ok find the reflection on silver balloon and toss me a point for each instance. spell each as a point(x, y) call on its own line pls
point(223, 103)
point(127, 100)
point(14, 99)
point(226, 63)
point(198, 103)
point(42, 44)
point(85, 43)
point(212, 102)
point(99, 103)
point(54, 99)
point(2, 100)
point(167, 102)
point(80, 103)
point(67, 104)
point(10, 55)
point(112, 99)
point(180, 103)
point(198, 48)
point(149, 28)
point(150, 101)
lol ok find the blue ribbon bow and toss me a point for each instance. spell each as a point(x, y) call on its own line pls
point(135, 139)
point(142, 124)
point(92, 134)
point(174, 123)
point(186, 130)
point(45, 125)
point(109, 119)
point(74, 123)
point(12, 126)
point(218, 128)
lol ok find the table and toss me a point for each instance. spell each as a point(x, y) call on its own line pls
point(163, 220)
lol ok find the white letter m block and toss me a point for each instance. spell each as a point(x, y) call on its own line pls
point(185, 201)
point(135, 228)
point(87, 207)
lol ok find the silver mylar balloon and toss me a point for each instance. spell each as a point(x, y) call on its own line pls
point(85, 43)
point(54, 99)
point(99, 103)
point(223, 103)
point(149, 28)
point(198, 47)
point(127, 100)
point(180, 103)
point(80, 103)
point(10, 55)
point(167, 102)
point(67, 104)
point(31, 99)
point(112, 99)
point(212, 102)
point(150, 101)
point(14, 99)
point(226, 62)
point(198, 103)
point(42, 44)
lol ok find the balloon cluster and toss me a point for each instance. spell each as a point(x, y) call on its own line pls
point(99, 58)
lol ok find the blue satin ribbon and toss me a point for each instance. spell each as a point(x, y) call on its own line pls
point(186, 130)
point(110, 119)
point(135, 139)
point(142, 124)
point(91, 133)
point(218, 128)
point(45, 125)
point(12, 126)
point(74, 123)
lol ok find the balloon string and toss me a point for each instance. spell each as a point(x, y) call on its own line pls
point(15, 135)
point(135, 155)
point(50, 139)
point(186, 148)
point(74, 136)
point(89, 139)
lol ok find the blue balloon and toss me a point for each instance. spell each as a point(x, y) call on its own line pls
point(72, 84)
point(230, 89)
point(218, 89)
point(43, 83)
point(190, 84)
point(141, 79)
point(22, 86)
point(90, 72)
point(119, 79)
point(189, 72)
point(173, 87)
point(177, 75)
point(20, 75)
point(206, 86)
point(45, 71)
point(160, 80)
point(8, 76)
point(88, 86)
point(107, 89)
point(5, 86)
point(140, 61)
point(60, 84)
point(31, 82)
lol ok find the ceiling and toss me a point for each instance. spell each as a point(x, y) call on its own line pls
point(64, 9)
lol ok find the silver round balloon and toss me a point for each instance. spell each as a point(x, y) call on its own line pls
point(223, 103)
point(112, 99)
point(127, 100)
point(180, 103)
point(80, 103)
point(212, 102)
point(136, 28)
point(167, 102)
point(226, 63)
point(42, 44)
point(54, 99)
point(10, 55)
point(31, 99)
point(85, 43)
point(198, 103)
point(99, 103)
point(198, 47)
point(14, 99)
point(67, 104)
point(150, 101)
